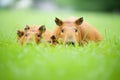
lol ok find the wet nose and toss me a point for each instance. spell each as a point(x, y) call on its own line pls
point(70, 43)
point(70, 40)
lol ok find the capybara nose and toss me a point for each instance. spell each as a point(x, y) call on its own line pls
point(70, 43)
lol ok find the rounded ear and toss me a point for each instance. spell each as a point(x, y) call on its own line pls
point(54, 40)
point(79, 21)
point(26, 27)
point(53, 37)
point(58, 21)
point(20, 33)
point(42, 28)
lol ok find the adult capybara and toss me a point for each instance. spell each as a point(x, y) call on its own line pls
point(31, 33)
point(74, 30)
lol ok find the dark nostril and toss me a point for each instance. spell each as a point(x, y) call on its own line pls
point(70, 43)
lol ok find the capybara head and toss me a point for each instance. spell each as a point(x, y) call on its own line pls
point(69, 30)
point(31, 33)
point(50, 38)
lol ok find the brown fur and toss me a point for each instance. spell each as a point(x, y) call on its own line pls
point(66, 30)
point(49, 37)
point(30, 33)
point(33, 32)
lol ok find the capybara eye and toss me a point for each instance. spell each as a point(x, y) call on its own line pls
point(38, 35)
point(76, 30)
point(62, 30)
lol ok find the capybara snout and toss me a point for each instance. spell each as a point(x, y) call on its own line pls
point(70, 35)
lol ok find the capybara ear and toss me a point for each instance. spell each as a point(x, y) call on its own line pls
point(79, 21)
point(53, 37)
point(58, 21)
point(20, 33)
point(26, 27)
point(42, 28)
point(54, 41)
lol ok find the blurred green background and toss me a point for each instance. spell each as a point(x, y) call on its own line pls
point(80, 5)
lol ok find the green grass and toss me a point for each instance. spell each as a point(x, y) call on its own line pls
point(43, 62)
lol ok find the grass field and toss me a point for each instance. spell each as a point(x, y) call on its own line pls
point(43, 62)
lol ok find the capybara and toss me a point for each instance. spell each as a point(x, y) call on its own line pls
point(74, 30)
point(30, 33)
point(49, 37)
point(23, 36)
